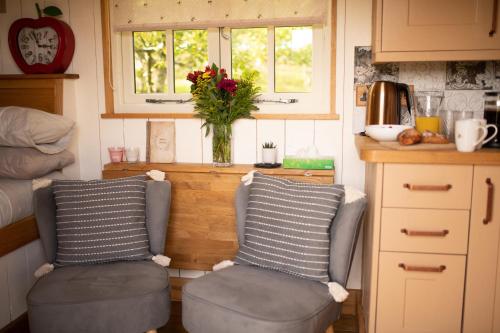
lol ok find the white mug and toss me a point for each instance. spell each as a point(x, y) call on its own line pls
point(132, 154)
point(482, 122)
point(471, 134)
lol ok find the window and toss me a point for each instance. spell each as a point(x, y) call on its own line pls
point(190, 51)
point(289, 69)
point(249, 53)
point(150, 59)
point(288, 64)
point(293, 59)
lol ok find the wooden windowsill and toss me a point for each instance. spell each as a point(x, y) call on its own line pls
point(301, 116)
point(38, 76)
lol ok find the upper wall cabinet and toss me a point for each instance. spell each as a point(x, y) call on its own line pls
point(435, 30)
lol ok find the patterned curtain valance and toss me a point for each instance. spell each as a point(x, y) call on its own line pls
point(137, 15)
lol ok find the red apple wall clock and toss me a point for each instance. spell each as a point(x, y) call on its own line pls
point(44, 45)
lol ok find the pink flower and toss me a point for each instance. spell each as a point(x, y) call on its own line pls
point(228, 85)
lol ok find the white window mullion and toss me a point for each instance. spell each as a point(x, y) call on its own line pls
point(214, 52)
point(270, 60)
point(170, 61)
point(225, 50)
point(320, 63)
point(128, 69)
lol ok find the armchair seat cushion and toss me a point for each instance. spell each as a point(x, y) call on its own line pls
point(251, 299)
point(114, 297)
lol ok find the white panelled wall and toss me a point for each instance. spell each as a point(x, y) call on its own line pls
point(192, 146)
point(95, 135)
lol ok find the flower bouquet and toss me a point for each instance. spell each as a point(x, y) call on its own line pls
point(220, 101)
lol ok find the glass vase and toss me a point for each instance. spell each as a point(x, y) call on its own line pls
point(221, 145)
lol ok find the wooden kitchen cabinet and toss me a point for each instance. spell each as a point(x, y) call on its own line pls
point(435, 30)
point(482, 291)
point(420, 293)
point(430, 263)
point(415, 247)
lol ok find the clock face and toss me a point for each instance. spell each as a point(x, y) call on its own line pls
point(38, 46)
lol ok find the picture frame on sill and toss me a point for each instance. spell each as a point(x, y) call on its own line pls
point(160, 143)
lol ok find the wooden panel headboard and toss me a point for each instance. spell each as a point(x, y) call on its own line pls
point(43, 92)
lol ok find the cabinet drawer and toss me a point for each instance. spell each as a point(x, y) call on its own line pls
point(427, 186)
point(424, 230)
point(420, 293)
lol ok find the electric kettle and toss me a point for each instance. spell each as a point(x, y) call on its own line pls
point(384, 103)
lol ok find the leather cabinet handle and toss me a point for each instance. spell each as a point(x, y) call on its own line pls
point(441, 233)
point(413, 187)
point(494, 19)
point(427, 269)
point(489, 201)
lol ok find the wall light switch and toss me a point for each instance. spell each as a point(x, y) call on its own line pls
point(3, 6)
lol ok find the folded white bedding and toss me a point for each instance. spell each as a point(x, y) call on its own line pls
point(16, 198)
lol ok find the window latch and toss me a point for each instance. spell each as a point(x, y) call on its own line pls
point(163, 101)
point(279, 101)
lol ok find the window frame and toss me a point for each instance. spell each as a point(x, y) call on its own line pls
point(119, 91)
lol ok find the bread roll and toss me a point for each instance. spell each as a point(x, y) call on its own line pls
point(409, 136)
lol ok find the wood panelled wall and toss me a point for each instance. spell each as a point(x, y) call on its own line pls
point(330, 136)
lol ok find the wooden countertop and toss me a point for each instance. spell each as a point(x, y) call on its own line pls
point(209, 168)
point(372, 151)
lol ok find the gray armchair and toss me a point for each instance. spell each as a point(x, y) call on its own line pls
point(244, 298)
point(121, 297)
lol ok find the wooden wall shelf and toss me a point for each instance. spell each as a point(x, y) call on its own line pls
point(209, 168)
point(38, 76)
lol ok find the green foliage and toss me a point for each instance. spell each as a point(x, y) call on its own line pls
point(249, 54)
point(293, 63)
point(269, 145)
point(190, 51)
point(219, 107)
point(249, 47)
point(150, 55)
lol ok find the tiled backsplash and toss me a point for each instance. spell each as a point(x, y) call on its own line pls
point(463, 83)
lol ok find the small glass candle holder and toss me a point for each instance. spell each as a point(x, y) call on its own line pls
point(115, 154)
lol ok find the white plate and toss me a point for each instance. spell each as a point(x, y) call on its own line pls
point(385, 132)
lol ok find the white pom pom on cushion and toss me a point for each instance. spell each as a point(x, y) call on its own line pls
point(352, 194)
point(248, 178)
point(161, 260)
point(337, 291)
point(40, 183)
point(43, 270)
point(223, 264)
point(156, 175)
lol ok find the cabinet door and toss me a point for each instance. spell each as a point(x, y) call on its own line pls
point(438, 25)
point(482, 291)
point(420, 293)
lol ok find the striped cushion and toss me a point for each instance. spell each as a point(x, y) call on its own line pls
point(287, 226)
point(101, 220)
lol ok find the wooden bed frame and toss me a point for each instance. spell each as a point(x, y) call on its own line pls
point(43, 92)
